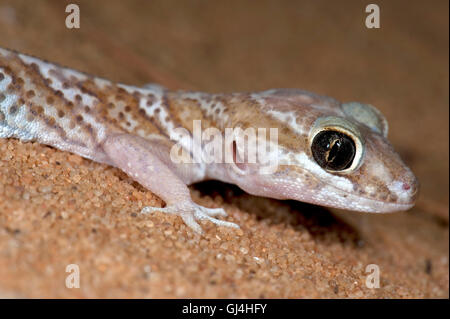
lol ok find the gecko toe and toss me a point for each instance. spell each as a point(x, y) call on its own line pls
point(214, 211)
point(191, 213)
point(201, 215)
point(151, 209)
point(190, 221)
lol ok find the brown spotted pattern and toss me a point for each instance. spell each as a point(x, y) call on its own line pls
point(76, 109)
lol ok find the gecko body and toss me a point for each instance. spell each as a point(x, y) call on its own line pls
point(328, 153)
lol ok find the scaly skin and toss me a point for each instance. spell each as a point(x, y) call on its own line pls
point(135, 129)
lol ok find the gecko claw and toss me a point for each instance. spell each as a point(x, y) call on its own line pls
point(191, 213)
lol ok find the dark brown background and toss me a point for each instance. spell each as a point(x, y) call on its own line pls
point(57, 209)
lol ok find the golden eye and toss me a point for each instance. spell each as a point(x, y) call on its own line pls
point(333, 150)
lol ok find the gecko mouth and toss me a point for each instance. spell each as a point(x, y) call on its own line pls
point(383, 207)
point(406, 195)
point(330, 195)
point(358, 203)
point(405, 192)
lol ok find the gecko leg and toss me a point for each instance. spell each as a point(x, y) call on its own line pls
point(144, 161)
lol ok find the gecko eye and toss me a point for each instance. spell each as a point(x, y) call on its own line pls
point(333, 150)
point(336, 144)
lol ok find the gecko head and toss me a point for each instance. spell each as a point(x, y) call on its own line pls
point(338, 156)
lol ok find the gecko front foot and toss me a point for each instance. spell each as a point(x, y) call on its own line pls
point(191, 212)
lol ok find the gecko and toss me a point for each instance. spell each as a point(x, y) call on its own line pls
point(327, 152)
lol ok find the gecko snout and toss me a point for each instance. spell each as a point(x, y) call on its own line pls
point(406, 189)
point(411, 187)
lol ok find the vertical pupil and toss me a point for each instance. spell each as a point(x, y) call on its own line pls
point(334, 146)
point(333, 150)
